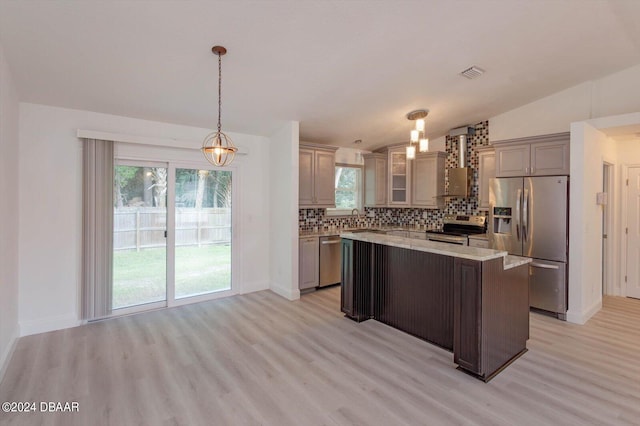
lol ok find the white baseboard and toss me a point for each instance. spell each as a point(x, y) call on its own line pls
point(44, 325)
point(286, 292)
point(582, 317)
point(5, 357)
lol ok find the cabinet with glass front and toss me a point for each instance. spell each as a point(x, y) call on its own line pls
point(399, 177)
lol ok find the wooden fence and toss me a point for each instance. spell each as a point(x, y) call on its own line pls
point(135, 228)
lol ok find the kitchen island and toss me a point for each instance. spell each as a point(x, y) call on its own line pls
point(472, 301)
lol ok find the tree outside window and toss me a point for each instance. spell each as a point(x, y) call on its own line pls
point(348, 184)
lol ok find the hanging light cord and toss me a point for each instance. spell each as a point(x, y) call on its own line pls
point(219, 90)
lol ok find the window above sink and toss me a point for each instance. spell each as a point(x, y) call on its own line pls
point(348, 190)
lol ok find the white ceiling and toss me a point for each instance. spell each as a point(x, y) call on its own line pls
point(345, 69)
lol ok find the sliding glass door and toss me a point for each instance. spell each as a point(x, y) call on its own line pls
point(139, 235)
point(172, 235)
point(203, 232)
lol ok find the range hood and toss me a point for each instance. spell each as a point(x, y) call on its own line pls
point(460, 177)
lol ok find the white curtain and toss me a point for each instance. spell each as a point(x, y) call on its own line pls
point(97, 228)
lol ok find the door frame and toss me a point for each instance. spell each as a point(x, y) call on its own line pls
point(159, 160)
point(624, 223)
point(608, 257)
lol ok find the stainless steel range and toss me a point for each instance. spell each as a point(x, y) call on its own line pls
point(457, 228)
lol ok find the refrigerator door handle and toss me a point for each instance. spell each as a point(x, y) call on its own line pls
point(543, 266)
point(525, 215)
point(517, 217)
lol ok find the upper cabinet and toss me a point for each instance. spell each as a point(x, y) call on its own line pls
point(427, 183)
point(316, 174)
point(535, 156)
point(486, 171)
point(399, 177)
point(391, 180)
point(375, 180)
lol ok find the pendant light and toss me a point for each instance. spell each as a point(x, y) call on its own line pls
point(217, 147)
point(417, 135)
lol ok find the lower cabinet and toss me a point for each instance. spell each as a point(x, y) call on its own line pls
point(413, 292)
point(467, 293)
point(356, 280)
point(475, 308)
point(491, 315)
point(308, 263)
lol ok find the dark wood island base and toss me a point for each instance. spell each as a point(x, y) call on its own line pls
point(479, 309)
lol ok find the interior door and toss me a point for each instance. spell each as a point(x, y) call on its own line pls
point(633, 237)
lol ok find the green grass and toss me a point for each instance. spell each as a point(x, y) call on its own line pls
point(140, 277)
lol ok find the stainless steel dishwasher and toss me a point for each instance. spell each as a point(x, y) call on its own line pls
point(330, 260)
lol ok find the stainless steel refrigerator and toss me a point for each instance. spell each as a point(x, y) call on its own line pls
point(529, 217)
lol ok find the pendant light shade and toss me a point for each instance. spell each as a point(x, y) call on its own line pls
point(411, 152)
point(417, 135)
point(217, 147)
point(424, 145)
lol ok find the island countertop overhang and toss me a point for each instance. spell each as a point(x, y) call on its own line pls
point(436, 247)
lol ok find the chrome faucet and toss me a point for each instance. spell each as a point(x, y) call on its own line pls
point(357, 213)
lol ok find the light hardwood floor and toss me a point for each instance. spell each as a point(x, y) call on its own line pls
point(259, 359)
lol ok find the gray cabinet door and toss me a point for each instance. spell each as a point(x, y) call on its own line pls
point(428, 180)
point(550, 158)
point(316, 177)
point(486, 172)
point(375, 180)
point(381, 182)
point(325, 170)
point(513, 160)
point(308, 263)
point(306, 184)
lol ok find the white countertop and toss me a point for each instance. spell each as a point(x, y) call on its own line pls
point(386, 228)
point(464, 252)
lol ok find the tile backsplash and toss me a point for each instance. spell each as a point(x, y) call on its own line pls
point(308, 219)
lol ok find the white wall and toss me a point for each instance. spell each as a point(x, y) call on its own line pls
point(590, 148)
point(9, 212)
point(50, 203)
point(283, 245)
point(614, 94)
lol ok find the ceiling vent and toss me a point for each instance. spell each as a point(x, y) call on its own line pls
point(472, 72)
